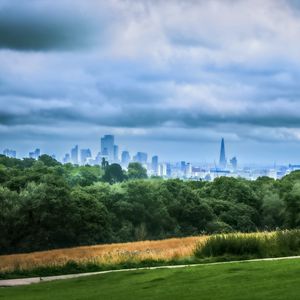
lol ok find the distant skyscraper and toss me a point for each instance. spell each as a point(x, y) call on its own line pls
point(125, 159)
point(183, 166)
point(67, 158)
point(107, 146)
point(116, 153)
point(10, 153)
point(74, 155)
point(189, 169)
point(154, 164)
point(141, 157)
point(222, 162)
point(162, 170)
point(169, 170)
point(35, 154)
point(233, 163)
point(85, 154)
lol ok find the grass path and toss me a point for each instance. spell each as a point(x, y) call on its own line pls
point(268, 280)
point(27, 281)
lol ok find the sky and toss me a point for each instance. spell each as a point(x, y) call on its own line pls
point(170, 77)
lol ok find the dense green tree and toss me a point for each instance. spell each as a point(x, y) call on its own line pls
point(44, 204)
point(9, 207)
point(48, 160)
point(113, 173)
point(292, 208)
point(136, 171)
point(91, 220)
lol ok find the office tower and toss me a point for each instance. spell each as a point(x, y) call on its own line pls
point(99, 158)
point(162, 170)
point(74, 155)
point(125, 158)
point(10, 153)
point(182, 166)
point(67, 158)
point(169, 170)
point(35, 154)
point(189, 170)
point(85, 154)
point(222, 162)
point(154, 164)
point(141, 157)
point(233, 163)
point(116, 153)
point(107, 146)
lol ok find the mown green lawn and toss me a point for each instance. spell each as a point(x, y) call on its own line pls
point(251, 280)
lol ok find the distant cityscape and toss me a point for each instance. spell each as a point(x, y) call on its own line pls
point(109, 152)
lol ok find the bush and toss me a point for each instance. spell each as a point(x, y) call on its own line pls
point(233, 245)
point(281, 243)
point(288, 242)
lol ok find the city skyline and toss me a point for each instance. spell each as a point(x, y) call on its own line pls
point(108, 150)
point(160, 80)
point(214, 158)
point(114, 153)
point(108, 153)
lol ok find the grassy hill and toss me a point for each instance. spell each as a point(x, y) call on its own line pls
point(274, 280)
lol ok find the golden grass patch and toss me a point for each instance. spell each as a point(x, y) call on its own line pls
point(168, 249)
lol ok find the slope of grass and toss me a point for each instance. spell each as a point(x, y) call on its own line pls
point(268, 280)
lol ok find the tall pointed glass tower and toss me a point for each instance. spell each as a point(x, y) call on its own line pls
point(222, 162)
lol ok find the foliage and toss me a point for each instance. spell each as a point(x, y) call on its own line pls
point(280, 243)
point(45, 205)
point(113, 173)
point(136, 171)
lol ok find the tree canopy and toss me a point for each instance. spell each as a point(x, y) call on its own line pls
point(44, 204)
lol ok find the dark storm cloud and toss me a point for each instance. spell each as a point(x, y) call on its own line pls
point(31, 26)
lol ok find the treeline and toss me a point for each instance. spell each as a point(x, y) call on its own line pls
point(44, 205)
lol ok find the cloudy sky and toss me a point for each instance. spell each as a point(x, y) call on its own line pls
point(170, 77)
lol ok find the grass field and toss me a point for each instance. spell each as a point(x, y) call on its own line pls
point(169, 249)
point(267, 280)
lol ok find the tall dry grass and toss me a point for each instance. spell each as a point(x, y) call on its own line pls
point(168, 249)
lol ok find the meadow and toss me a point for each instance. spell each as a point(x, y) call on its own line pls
point(268, 280)
point(189, 250)
point(108, 254)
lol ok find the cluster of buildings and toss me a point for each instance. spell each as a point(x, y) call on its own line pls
point(109, 152)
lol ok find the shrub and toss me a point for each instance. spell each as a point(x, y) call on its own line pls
point(281, 243)
point(288, 242)
point(233, 245)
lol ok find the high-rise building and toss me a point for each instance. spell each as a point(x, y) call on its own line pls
point(222, 161)
point(107, 146)
point(183, 166)
point(154, 164)
point(233, 163)
point(74, 155)
point(85, 154)
point(169, 170)
point(189, 169)
point(162, 170)
point(67, 158)
point(125, 158)
point(116, 153)
point(141, 157)
point(10, 153)
point(35, 154)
